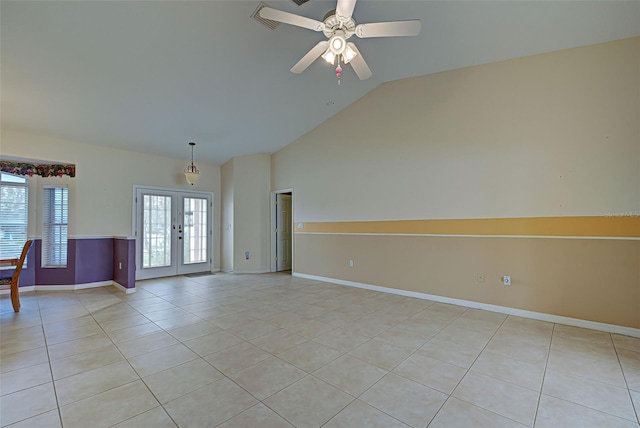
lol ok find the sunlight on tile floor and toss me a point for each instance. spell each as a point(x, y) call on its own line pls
point(276, 351)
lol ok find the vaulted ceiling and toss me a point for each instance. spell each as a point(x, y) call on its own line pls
point(150, 76)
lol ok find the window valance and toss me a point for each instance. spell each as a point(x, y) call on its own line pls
point(43, 170)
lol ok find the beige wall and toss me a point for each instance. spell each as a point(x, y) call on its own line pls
point(595, 280)
point(550, 135)
point(101, 195)
point(547, 135)
point(246, 180)
point(226, 255)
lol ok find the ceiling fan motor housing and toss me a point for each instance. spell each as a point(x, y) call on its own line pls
point(332, 24)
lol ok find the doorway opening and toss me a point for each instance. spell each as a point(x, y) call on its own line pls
point(282, 242)
point(173, 231)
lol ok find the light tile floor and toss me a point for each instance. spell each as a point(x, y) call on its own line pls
point(276, 351)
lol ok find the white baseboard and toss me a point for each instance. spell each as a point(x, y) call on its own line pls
point(593, 325)
point(73, 286)
point(20, 290)
point(65, 287)
point(250, 271)
point(123, 288)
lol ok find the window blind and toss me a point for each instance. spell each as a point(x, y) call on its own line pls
point(14, 197)
point(55, 210)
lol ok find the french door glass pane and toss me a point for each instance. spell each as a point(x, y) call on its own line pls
point(156, 231)
point(195, 230)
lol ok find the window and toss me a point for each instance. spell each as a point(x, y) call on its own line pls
point(14, 197)
point(55, 216)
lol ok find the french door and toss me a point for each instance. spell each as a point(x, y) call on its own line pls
point(173, 232)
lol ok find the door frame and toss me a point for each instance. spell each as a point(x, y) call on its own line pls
point(135, 223)
point(274, 208)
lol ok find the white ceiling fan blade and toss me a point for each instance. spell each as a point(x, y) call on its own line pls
point(359, 65)
point(311, 56)
point(389, 29)
point(291, 19)
point(344, 8)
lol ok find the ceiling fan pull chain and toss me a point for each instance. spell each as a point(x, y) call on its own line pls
point(338, 71)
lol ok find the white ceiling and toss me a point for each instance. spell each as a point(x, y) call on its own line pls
point(150, 76)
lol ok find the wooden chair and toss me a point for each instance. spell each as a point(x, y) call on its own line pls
point(18, 263)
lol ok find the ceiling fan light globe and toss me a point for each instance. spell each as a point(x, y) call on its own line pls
point(329, 56)
point(348, 54)
point(337, 44)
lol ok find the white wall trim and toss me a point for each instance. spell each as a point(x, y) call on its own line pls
point(64, 287)
point(618, 238)
point(89, 285)
point(20, 289)
point(71, 287)
point(593, 325)
point(90, 237)
point(124, 289)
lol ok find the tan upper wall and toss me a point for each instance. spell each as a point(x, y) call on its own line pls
point(556, 134)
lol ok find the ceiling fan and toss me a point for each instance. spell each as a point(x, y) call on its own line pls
point(338, 26)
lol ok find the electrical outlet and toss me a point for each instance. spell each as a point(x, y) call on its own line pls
point(480, 277)
point(350, 263)
point(246, 255)
point(300, 225)
point(506, 280)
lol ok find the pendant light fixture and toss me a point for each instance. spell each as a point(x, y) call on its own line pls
point(191, 173)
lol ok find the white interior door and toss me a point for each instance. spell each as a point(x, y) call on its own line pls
point(283, 235)
point(173, 233)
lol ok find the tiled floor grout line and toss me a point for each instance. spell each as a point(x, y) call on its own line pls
point(300, 380)
point(624, 376)
point(197, 389)
point(310, 374)
point(46, 347)
point(125, 359)
point(544, 375)
point(468, 370)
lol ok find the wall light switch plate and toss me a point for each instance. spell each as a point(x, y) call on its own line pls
point(300, 225)
point(480, 277)
point(506, 280)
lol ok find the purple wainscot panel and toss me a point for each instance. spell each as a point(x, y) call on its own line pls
point(28, 275)
point(94, 260)
point(124, 262)
point(55, 276)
